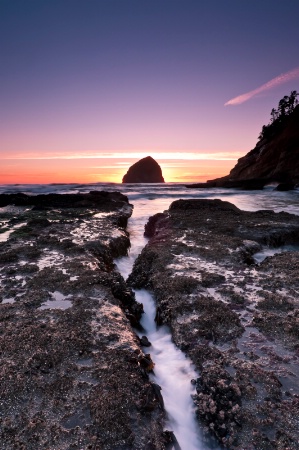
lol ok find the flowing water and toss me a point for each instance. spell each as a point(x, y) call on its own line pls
point(173, 371)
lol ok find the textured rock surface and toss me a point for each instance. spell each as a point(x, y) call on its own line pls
point(237, 320)
point(94, 199)
point(70, 363)
point(146, 170)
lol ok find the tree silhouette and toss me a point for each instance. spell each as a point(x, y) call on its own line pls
point(278, 116)
point(293, 102)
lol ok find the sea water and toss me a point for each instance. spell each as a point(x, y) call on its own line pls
point(159, 196)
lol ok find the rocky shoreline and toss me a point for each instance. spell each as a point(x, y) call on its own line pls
point(274, 159)
point(236, 319)
point(73, 374)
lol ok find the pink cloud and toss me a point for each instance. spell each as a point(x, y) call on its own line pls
point(283, 78)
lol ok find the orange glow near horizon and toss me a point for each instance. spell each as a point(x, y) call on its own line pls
point(92, 170)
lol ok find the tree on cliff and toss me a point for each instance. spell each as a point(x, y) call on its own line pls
point(278, 116)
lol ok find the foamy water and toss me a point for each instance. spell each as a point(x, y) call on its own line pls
point(173, 371)
point(266, 251)
point(159, 196)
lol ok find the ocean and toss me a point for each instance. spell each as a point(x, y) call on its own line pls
point(159, 196)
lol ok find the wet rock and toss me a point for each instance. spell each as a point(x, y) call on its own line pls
point(171, 441)
point(38, 222)
point(68, 378)
point(158, 316)
point(151, 225)
point(211, 279)
point(145, 362)
point(8, 256)
point(94, 199)
point(274, 301)
point(248, 249)
point(144, 342)
point(285, 186)
point(218, 401)
point(203, 205)
point(157, 390)
point(235, 319)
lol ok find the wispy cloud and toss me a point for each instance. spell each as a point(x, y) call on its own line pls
point(191, 156)
point(283, 78)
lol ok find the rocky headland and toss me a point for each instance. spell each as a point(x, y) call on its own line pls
point(146, 170)
point(275, 158)
point(236, 319)
point(73, 373)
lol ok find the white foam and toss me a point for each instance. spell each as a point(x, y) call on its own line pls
point(173, 372)
point(267, 251)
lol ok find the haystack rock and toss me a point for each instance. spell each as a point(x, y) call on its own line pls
point(146, 170)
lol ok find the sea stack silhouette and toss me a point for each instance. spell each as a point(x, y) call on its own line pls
point(146, 170)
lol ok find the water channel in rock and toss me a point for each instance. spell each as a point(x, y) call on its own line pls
point(271, 251)
point(173, 371)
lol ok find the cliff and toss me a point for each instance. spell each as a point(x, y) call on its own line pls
point(275, 158)
point(146, 170)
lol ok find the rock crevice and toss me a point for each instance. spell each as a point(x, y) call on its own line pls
point(71, 374)
point(236, 319)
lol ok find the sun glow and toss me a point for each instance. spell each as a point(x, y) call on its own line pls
point(230, 156)
point(176, 167)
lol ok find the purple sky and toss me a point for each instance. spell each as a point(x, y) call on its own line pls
point(114, 77)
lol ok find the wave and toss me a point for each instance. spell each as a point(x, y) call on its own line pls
point(248, 200)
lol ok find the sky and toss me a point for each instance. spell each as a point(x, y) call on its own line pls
point(88, 87)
